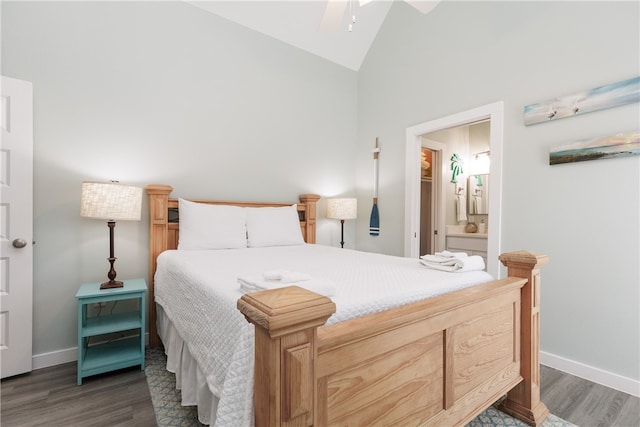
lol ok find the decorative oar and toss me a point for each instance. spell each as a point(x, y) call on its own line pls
point(374, 221)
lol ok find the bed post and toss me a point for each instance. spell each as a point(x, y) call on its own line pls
point(523, 401)
point(310, 200)
point(158, 236)
point(286, 322)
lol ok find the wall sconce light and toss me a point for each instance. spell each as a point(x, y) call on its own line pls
point(342, 209)
point(111, 201)
point(481, 154)
point(482, 162)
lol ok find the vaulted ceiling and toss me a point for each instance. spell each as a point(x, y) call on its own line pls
point(317, 26)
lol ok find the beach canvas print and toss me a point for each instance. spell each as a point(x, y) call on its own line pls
point(619, 145)
point(608, 96)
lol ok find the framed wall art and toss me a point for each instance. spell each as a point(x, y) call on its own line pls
point(599, 98)
point(607, 147)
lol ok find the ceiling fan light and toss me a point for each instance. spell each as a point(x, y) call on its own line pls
point(333, 14)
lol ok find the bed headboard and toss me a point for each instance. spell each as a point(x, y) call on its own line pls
point(164, 226)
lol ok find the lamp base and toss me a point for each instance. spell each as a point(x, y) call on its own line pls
point(112, 284)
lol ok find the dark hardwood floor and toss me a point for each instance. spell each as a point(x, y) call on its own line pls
point(50, 397)
point(587, 404)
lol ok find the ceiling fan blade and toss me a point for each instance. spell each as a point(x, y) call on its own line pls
point(333, 14)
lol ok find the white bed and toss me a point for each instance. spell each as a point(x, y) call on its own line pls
point(393, 343)
point(196, 288)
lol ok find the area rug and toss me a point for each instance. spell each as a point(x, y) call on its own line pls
point(170, 413)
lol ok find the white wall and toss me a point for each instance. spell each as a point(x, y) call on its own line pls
point(585, 216)
point(163, 92)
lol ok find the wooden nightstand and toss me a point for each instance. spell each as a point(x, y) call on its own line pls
point(115, 354)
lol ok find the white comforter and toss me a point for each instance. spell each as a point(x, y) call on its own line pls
point(198, 291)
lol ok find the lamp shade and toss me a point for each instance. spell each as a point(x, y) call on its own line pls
point(342, 208)
point(111, 201)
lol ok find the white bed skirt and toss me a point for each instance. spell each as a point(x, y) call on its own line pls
point(190, 380)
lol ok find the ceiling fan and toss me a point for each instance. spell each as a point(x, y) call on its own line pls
point(336, 9)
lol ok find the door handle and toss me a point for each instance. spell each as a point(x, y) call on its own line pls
point(19, 243)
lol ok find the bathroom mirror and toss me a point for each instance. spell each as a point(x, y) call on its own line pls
point(478, 194)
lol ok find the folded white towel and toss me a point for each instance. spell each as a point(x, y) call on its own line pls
point(435, 259)
point(285, 276)
point(444, 257)
point(257, 283)
point(452, 254)
point(430, 260)
point(456, 265)
point(461, 203)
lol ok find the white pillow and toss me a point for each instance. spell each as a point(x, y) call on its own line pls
point(273, 227)
point(204, 226)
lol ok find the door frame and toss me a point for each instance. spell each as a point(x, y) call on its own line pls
point(494, 112)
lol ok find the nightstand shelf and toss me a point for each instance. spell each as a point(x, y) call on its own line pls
point(111, 323)
point(108, 354)
point(112, 355)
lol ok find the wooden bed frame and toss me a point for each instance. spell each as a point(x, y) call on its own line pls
point(440, 361)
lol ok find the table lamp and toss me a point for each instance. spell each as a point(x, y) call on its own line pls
point(342, 209)
point(113, 202)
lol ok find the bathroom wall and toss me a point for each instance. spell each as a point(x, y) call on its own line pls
point(464, 141)
point(479, 141)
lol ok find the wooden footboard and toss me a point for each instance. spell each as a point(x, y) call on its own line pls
point(440, 361)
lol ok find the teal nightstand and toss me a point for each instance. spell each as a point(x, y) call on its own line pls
point(116, 354)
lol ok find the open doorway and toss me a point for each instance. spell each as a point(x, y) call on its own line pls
point(431, 212)
point(429, 180)
point(415, 142)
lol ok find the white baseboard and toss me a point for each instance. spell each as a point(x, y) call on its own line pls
point(58, 357)
point(596, 375)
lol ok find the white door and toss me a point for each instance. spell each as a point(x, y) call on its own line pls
point(16, 227)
